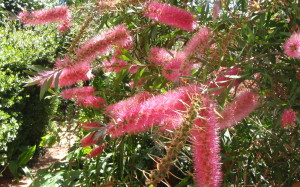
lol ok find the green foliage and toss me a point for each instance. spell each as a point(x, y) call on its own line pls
point(23, 117)
point(248, 35)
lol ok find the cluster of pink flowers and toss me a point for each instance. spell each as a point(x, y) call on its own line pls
point(206, 148)
point(217, 8)
point(292, 46)
point(178, 63)
point(85, 96)
point(165, 111)
point(288, 118)
point(170, 15)
point(43, 16)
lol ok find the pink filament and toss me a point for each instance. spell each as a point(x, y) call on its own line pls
point(78, 92)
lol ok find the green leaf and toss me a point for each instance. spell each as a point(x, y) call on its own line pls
point(45, 87)
point(13, 168)
point(27, 172)
point(26, 156)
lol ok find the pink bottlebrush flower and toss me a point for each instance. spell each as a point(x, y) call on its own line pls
point(292, 46)
point(63, 62)
point(89, 126)
point(96, 151)
point(206, 148)
point(74, 93)
point(160, 56)
point(217, 8)
point(73, 74)
point(44, 16)
point(139, 83)
point(171, 69)
point(91, 101)
point(288, 118)
point(154, 111)
point(114, 65)
point(89, 140)
point(121, 108)
point(64, 26)
point(199, 43)
point(101, 44)
point(225, 80)
point(244, 103)
point(170, 15)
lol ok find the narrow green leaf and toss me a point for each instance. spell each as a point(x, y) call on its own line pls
point(26, 156)
point(46, 86)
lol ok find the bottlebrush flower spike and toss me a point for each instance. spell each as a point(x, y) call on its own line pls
point(101, 44)
point(74, 93)
point(171, 69)
point(168, 108)
point(73, 74)
point(217, 8)
point(122, 108)
point(170, 15)
point(160, 56)
point(206, 148)
point(288, 118)
point(292, 46)
point(91, 101)
point(244, 103)
point(65, 25)
point(198, 44)
point(44, 16)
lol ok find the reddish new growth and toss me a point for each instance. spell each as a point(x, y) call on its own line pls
point(244, 103)
point(288, 118)
point(170, 15)
point(74, 93)
point(44, 16)
point(89, 140)
point(101, 44)
point(292, 46)
point(89, 126)
point(96, 151)
point(206, 148)
point(225, 79)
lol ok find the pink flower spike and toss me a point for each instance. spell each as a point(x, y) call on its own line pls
point(101, 44)
point(74, 93)
point(64, 26)
point(96, 151)
point(170, 15)
point(73, 74)
point(199, 43)
point(44, 16)
point(217, 8)
point(171, 69)
point(160, 56)
point(89, 126)
point(91, 102)
point(206, 148)
point(292, 46)
point(115, 64)
point(288, 118)
point(244, 103)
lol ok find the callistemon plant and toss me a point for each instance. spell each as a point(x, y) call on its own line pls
point(183, 103)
